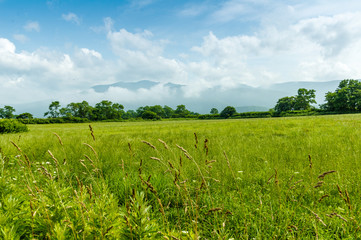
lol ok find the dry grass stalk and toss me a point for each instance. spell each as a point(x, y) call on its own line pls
point(322, 197)
point(317, 217)
point(337, 215)
point(17, 147)
point(96, 154)
point(90, 191)
point(276, 177)
point(294, 185)
point(209, 162)
point(319, 184)
point(184, 151)
point(46, 173)
point(89, 159)
point(270, 178)
point(149, 144)
point(325, 173)
point(161, 207)
point(155, 158)
point(82, 163)
point(52, 156)
point(174, 238)
point(91, 132)
point(310, 161)
point(61, 143)
point(214, 210)
point(164, 143)
point(348, 199)
point(170, 164)
point(206, 146)
point(339, 191)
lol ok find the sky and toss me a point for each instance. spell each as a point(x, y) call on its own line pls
point(58, 49)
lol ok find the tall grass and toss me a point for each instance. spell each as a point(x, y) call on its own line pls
point(293, 178)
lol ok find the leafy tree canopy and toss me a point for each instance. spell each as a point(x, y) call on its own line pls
point(346, 98)
point(228, 111)
point(302, 101)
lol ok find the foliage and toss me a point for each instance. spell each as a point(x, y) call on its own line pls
point(12, 126)
point(150, 115)
point(302, 101)
point(214, 111)
point(25, 115)
point(7, 112)
point(53, 110)
point(228, 111)
point(346, 98)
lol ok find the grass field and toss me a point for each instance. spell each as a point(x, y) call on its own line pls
point(278, 178)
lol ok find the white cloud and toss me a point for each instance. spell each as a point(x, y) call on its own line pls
point(317, 48)
point(193, 10)
point(71, 17)
point(332, 34)
point(32, 26)
point(20, 38)
point(141, 58)
point(6, 46)
point(230, 10)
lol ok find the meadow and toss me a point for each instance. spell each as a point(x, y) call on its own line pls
point(274, 178)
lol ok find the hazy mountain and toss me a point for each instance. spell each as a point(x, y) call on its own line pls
point(245, 98)
point(127, 85)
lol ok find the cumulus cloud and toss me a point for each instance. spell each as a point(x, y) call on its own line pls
point(320, 48)
point(138, 51)
point(71, 17)
point(32, 26)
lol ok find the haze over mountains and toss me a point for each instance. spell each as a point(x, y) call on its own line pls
point(245, 98)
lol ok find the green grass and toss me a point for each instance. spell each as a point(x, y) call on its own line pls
point(252, 178)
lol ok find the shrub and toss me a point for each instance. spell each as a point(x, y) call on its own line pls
point(12, 126)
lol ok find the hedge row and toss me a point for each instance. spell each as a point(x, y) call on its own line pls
point(12, 126)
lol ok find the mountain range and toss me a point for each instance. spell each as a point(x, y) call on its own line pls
point(245, 98)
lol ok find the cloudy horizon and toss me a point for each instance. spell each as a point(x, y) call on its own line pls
point(58, 50)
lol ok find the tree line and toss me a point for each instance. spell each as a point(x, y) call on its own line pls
point(346, 98)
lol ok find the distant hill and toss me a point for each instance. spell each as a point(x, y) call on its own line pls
point(247, 98)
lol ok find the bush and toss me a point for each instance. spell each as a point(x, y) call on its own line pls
point(12, 126)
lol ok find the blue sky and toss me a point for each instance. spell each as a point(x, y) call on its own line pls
point(59, 49)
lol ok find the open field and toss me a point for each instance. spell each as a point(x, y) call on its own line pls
point(220, 179)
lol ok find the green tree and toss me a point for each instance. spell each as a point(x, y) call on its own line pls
point(7, 112)
point(82, 110)
point(346, 98)
point(214, 111)
point(150, 115)
point(129, 114)
point(228, 112)
point(158, 110)
point(304, 99)
point(168, 111)
point(25, 115)
point(181, 111)
point(285, 104)
point(108, 110)
point(53, 110)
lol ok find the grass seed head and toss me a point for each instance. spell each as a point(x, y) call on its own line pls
point(149, 144)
